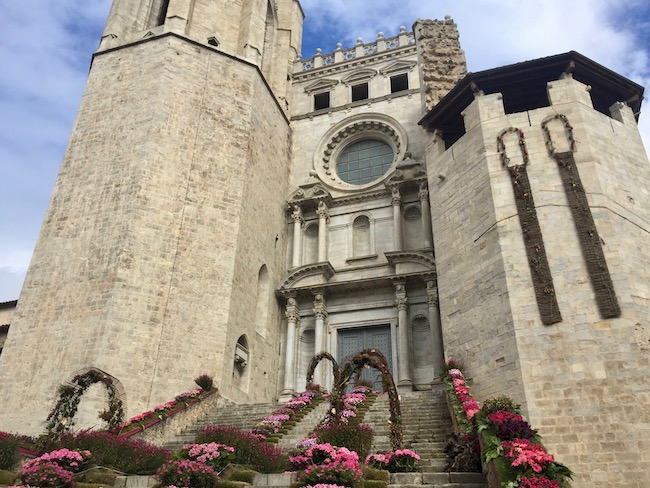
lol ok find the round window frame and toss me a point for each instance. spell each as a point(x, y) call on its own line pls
point(355, 129)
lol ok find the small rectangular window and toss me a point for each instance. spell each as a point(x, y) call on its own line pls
point(399, 83)
point(321, 100)
point(360, 92)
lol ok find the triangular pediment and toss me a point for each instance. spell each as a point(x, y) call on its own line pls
point(321, 85)
point(360, 76)
point(311, 191)
point(397, 66)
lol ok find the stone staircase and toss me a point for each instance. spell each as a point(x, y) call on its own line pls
point(426, 426)
point(242, 416)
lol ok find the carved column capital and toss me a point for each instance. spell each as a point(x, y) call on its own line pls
point(323, 211)
point(292, 313)
point(423, 192)
point(296, 215)
point(401, 300)
point(320, 307)
point(395, 197)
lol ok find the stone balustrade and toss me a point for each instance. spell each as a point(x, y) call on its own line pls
point(340, 55)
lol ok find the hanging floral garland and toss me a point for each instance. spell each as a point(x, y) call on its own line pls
point(568, 130)
point(501, 146)
point(60, 418)
point(312, 368)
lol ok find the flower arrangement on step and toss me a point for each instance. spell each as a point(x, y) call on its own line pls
point(161, 412)
point(185, 472)
point(515, 448)
point(54, 468)
point(399, 461)
point(325, 464)
point(270, 427)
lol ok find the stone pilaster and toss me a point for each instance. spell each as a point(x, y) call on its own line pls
point(298, 223)
point(396, 202)
point(323, 221)
point(293, 319)
point(427, 237)
point(438, 351)
point(404, 382)
point(320, 312)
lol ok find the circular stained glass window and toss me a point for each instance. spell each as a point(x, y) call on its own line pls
point(364, 161)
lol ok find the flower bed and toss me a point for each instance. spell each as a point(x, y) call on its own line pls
point(326, 464)
point(399, 461)
point(273, 426)
point(54, 468)
point(511, 449)
point(146, 420)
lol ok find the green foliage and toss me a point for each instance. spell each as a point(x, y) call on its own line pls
point(250, 449)
point(372, 474)
point(494, 404)
point(125, 455)
point(355, 437)
point(7, 477)
point(375, 483)
point(8, 450)
point(205, 382)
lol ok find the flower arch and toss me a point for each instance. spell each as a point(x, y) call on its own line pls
point(372, 358)
point(314, 362)
point(60, 418)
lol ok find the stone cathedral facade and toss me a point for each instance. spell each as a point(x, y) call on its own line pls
point(227, 207)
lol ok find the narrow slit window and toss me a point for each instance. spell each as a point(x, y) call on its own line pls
point(163, 12)
point(360, 92)
point(321, 101)
point(399, 83)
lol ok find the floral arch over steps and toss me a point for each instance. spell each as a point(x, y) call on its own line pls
point(368, 358)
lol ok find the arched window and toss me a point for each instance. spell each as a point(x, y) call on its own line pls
point(361, 236)
point(263, 295)
point(240, 374)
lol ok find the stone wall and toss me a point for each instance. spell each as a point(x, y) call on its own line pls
point(441, 60)
point(583, 381)
point(134, 270)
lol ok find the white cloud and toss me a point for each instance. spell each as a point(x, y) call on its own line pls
point(45, 49)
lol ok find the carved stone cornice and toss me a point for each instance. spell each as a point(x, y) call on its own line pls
point(317, 269)
point(407, 170)
point(423, 259)
point(309, 195)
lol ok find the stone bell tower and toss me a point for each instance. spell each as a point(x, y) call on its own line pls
point(157, 251)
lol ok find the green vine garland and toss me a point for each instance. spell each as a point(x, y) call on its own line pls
point(568, 130)
point(501, 146)
point(60, 418)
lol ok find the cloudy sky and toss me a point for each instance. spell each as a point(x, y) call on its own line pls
point(45, 49)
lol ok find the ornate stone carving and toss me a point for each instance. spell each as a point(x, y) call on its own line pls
point(323, 211)
point(292, 313)
point(296, 215)
point(320, 307)
point(395, 197)
point(432, 294)
point(401, 300)
point(423, 192)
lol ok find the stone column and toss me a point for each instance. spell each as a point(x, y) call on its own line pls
point(396, 202)
point(320, 311)
point(438, 351)
point(426, 216)
point(323, 220)
point(298, 222)
point(293, 319)
point(404, 382)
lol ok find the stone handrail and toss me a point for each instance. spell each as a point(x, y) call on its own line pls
point(359, 50)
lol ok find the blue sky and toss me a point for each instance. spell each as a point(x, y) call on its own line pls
point(45, 49)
